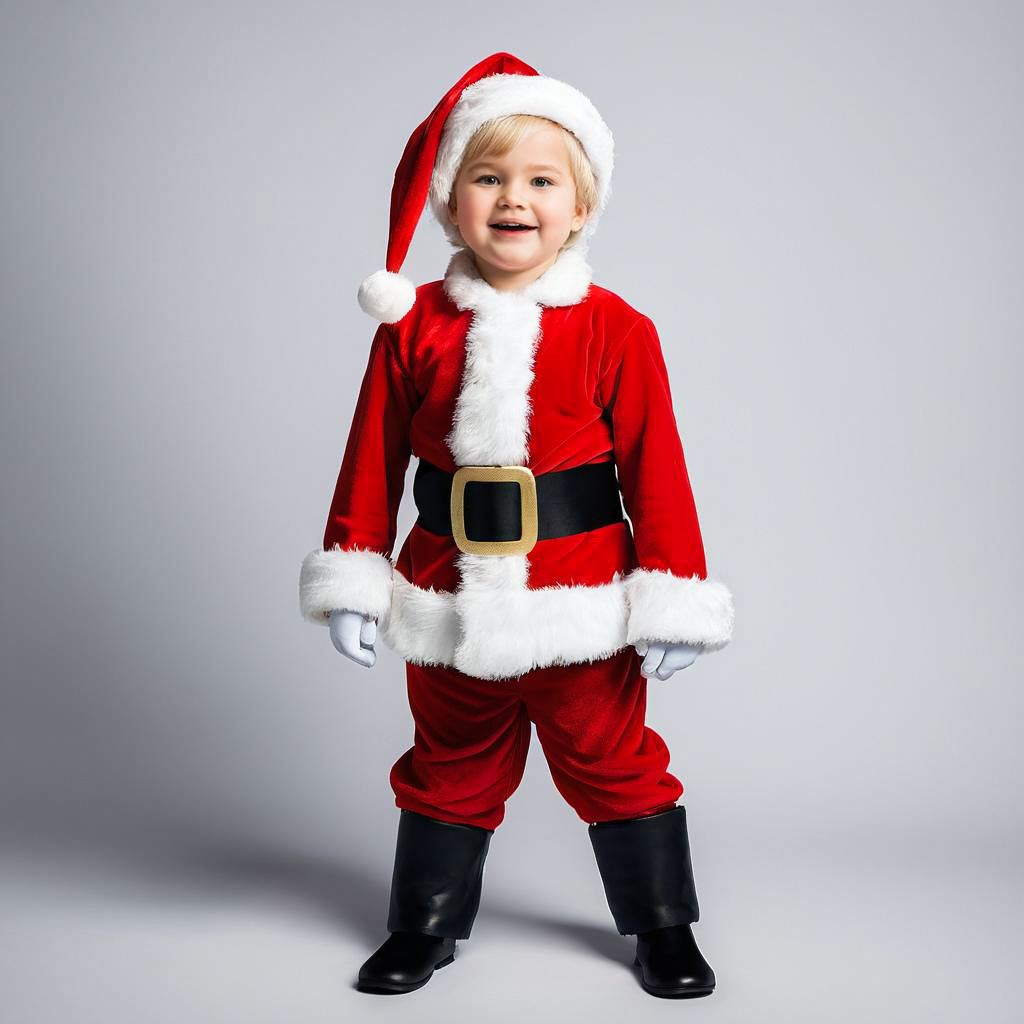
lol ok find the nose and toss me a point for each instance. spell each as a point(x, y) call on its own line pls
point(510, 196)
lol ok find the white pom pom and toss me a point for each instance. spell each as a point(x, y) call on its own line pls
point(387, 297)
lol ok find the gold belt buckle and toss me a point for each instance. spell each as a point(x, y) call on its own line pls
point(527, 509)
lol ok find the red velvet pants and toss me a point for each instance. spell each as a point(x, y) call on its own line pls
point(472, 736)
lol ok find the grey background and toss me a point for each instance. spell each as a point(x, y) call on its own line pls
point(818, 205)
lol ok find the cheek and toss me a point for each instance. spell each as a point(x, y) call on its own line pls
point(475, 205)
point(556, 209)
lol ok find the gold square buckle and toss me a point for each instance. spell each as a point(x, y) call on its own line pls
point(527, 509)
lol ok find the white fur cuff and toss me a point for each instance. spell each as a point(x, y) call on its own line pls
point(678, 609)
point(358, 579)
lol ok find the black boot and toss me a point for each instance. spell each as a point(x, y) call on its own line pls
point(435, 895)
point(648, 879)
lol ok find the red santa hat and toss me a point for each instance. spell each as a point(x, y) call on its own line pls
point(497, 86)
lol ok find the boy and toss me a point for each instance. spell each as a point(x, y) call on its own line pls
point(531, 397)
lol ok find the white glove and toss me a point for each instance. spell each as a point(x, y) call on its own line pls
point(664, 659)
point(354, 635)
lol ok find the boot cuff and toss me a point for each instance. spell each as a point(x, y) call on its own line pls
point(646, 870)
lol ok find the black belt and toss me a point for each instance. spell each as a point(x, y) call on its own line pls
point(494, 509)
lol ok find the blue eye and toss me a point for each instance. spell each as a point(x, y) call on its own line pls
point(482, 176)
point(548, 180)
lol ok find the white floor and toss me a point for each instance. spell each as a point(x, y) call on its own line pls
point(248, 938)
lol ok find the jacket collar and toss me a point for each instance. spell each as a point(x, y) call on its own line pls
point(564, 283)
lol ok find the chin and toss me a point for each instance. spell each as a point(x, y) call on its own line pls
point(517, 262)
point(517, 258)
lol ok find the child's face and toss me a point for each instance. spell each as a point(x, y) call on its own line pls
point(531, 184)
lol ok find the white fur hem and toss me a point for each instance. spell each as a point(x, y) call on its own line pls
point(496, 628)
point(678, 609)
point(493, 627)
point(358, 579)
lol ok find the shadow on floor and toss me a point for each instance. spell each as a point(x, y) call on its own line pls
point(345, 895)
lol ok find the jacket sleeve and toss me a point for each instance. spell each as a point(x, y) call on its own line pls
point(353, 570)
point(669, 596)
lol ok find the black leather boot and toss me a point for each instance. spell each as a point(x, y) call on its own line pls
point(648, 879)
point(435, 895)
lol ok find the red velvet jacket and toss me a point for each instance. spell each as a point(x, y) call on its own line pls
point(557, 375)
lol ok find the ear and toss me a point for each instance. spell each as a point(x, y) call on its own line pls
point(582, 214)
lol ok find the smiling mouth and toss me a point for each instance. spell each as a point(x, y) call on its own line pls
point(510, 228)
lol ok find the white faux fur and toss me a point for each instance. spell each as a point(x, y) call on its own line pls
point(508, 629)
point(495, 628)
point(564, 283)
point(387, 297)
point(423, 626)
point(493, 409)
point(674, 609)
point(498, 95)
point(492, 413)
point(358, 579)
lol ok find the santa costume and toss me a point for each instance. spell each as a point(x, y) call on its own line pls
point(518, 595)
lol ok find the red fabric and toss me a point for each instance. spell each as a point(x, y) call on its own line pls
point(600, 391)
point(364, 511)
point(472, 735)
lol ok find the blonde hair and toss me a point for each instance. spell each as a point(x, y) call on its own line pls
point(502, 134)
